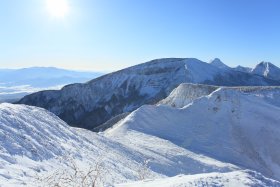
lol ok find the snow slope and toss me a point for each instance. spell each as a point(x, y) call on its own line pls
point(230, 179)
point(92, 104)
point(36, 142)
point(229, 125)
point(36, 145)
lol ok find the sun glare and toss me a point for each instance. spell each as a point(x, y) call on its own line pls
point(58, 8)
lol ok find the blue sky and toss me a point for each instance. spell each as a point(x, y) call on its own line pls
point(106, 35)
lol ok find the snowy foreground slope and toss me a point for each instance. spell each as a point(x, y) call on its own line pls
point(35, 145)
point(39, 149)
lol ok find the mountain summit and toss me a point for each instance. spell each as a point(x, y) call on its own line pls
point(267, 70)
point(219, 64)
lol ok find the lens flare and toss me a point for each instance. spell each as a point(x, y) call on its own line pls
point(58, 8)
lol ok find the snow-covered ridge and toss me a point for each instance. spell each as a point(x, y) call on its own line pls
point(186, 93)
point(230, 125)
point(91, 104)
point(243, 69)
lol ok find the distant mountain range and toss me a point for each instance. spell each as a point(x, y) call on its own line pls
point(265, 69)
point(16, 83)
point(93, 103)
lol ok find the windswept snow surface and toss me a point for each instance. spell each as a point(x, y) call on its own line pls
point(230, 179)
point(35, 144)
point(234, 126)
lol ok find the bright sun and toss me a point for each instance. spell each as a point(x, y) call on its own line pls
point(57, 8)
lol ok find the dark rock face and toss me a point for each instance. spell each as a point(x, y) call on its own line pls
point(95, 102)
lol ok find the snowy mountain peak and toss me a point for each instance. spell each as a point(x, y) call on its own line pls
point(265, 63)
point(218, 63)
point(264, 67)
point(268, 70)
